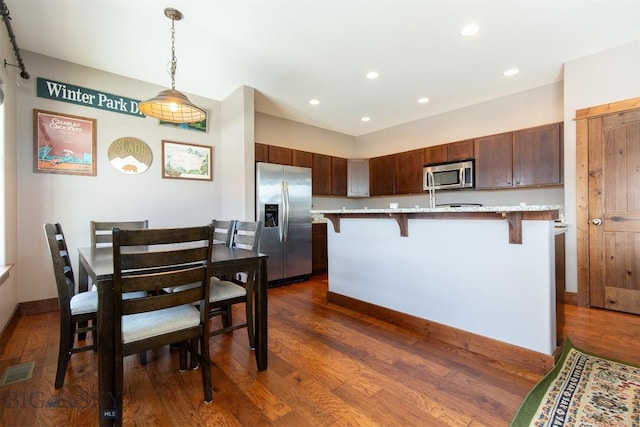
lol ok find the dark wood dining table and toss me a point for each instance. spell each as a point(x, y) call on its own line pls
point(97, 264)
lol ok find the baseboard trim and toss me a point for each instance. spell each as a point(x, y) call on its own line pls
point(570, 298)
point(518, 357)
point(38, 307)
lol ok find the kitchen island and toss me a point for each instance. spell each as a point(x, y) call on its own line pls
point(482, 278)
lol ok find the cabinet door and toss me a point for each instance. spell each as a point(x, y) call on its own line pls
point(338, 176)
point(319, 248)
point(321, 175)
point(279, 155)
point(302, 158)
point(381, 173)
point(262, 152)
point(436, 154)
point(494, 160)
point(461, 150)
point(408, 171)
point(358, 178)
point(537, 156)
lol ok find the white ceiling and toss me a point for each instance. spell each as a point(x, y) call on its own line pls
point(293, 50)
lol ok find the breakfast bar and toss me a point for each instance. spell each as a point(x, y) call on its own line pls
point(482, 274)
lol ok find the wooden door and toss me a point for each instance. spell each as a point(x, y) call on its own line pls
point(614, 211)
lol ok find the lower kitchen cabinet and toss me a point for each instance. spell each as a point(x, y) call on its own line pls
point(319, 248)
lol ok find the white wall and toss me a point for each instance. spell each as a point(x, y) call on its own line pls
point(8, 181)
point(111, 195)
point(609, 76)
point(526, 109)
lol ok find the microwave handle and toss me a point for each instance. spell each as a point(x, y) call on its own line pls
point(462, 172)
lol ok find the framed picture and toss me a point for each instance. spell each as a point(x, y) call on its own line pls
point(198, 126)
point(64, 143)
point(186, 161)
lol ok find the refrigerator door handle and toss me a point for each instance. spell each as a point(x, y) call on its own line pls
point(281, 214)
point(285, 199)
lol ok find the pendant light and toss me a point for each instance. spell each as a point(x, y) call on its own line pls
point(170, 105)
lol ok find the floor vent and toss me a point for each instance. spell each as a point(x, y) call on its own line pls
point(17, 373)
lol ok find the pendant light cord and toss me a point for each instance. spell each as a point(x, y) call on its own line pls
point(174, 61)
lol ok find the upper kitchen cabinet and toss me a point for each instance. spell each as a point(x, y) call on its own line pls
point(358, 178)
point(461, 150)
point(494, 161)
point(381, 175)
point(338, 176)
point(537, 156)
point(280, 155)
point(261, 152)
point(436, 154)
point(302, 158)
point(408, 171)
point(321, 175)
point(524, 158)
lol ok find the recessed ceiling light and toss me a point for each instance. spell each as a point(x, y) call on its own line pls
point(314, 102)
point(372, 75)
point(469, 30)
point(365, 119)
point(423, 100)
point(511, 72)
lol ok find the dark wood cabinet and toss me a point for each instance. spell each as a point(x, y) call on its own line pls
point(436, 154)
point(381, 175)
point(338, 176)
point(494, 161)
point(321, 175)
point(524, 158)
point(302, 158)
point(280, 155)
point(408, 171)
point(319, 248)
point(261, 152)
point(537, 156)
point(461, 150)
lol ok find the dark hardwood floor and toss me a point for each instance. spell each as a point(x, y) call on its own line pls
point(328, 366)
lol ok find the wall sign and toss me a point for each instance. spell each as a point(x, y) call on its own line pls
point(130, 155)
point(67, 92)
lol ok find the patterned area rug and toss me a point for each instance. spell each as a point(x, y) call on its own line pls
point(583, 390)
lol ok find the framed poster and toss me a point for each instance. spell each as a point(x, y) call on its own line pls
point(64, 143)
point(186, 161)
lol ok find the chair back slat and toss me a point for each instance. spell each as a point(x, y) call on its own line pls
point(169, 257)
point(62, 269)
point(247, 235)
point(101, 231)
point(223, 231)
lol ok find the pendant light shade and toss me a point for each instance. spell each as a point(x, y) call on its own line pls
point(170, 105)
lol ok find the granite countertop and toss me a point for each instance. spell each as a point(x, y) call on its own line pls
point(517, 208)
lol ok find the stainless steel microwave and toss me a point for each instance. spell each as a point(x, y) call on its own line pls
point(445, 176)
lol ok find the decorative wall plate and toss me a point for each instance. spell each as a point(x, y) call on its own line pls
point(130, 155)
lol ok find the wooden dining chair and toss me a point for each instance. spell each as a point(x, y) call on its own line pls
point(226, 293)
point(75, 308)
point(101, 234)
point(147, 260)
point(223, 231)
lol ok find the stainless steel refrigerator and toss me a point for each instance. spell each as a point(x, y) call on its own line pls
point(283, 204)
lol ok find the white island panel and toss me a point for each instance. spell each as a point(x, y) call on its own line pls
point(461, 273)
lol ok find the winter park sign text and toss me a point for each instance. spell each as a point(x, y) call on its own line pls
point(66, 92)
